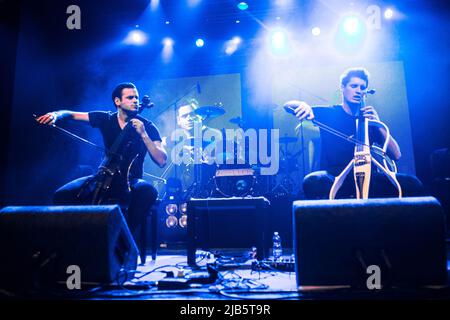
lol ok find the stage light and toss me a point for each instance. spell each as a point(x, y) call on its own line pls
point(171, 208)
point(167, 51)
point(199, 43)
point(279, 41)
point(232, 45)
point(283, 3)
point(183, 221)
point(193, 3)
point(315, 31)
point(136, 37)
point(352, 34)
point(168, 42)
point(242, 6)
point(154, 4)
point(352, 25)
point(237, 21)
point(171, 222)
point(388, 13)
point(183, 208)
point(167, 22)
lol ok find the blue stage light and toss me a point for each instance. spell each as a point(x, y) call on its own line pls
point(199, 43)
point(315, 31)
point(136, 37)
point(232, 45)
point(352, 25)
point(242, 6)
point(351, 35)
point(388, 13)
point(278, 41)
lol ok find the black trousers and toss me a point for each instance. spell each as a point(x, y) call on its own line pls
point(139, 201)
point(317, 185)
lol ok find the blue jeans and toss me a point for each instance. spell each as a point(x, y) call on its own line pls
point(139, 201)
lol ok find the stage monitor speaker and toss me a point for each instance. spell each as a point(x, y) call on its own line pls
point(226, 223)
point(39, 243)
point(335, 241)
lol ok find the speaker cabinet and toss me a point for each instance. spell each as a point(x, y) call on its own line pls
point(227, 223)
point(335, 242)
point(39, 243)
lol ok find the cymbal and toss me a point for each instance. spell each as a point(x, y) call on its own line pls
point(209, 111)
point(288, 139)
point(237, 121)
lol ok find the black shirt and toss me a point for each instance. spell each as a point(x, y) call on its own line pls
point(336, 152)
point(110, 129)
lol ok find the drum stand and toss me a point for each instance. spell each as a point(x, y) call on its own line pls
point(286, 185)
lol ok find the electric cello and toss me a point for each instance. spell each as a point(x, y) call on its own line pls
point(364, 153)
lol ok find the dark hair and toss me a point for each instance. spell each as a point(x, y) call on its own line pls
point(117, 92)
point(193, 103)
point(360, 73)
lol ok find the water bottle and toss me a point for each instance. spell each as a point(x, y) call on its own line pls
point(277, 250)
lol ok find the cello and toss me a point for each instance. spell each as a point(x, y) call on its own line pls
point(364, 154)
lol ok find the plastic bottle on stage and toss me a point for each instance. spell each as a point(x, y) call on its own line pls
point(277, 250)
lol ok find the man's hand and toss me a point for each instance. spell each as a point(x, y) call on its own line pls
point(48, 118)
point(302, 109)
point(370, 113)
point(139, 126)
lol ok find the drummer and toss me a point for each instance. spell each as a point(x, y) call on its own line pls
point(187, 118)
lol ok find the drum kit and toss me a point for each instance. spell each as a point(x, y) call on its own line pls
point(230, 180)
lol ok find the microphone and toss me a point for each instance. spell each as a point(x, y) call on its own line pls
point(371, 91)
point(199, 91)
point(146, 103)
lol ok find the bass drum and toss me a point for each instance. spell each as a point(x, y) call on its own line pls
point(234, 181)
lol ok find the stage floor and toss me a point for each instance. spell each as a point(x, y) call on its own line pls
point(238, 283)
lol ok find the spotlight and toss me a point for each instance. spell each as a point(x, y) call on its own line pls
point(351, 25)
point(232, 45)
point(171, 222)
point(154, 4)
point(351, 35)
point(193, 3)
point(136, 37)
point(315, 31)
point(388, 13)
point(199, 43)
point(183, 221)
point(167, 42)
point(171, 208)
point(167, 51)
point(279, 41)
point(242, 6)
point(183, 208)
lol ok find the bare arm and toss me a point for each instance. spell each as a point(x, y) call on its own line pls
point(393, 148)
point(154, 148)
point(51, 118)
point(302, 109)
